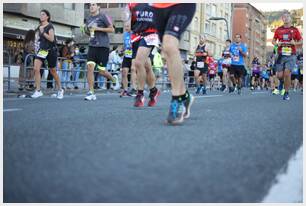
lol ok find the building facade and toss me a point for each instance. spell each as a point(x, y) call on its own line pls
point(216, 31)
point(18, 18)
point(252, 25)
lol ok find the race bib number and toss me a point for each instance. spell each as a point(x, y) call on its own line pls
point(42, 53)
point(152, 40)
point(200, 64)
point(227, 61)
point(286, 51)
point(236, 58)
point(128, 53)
point(212, 72)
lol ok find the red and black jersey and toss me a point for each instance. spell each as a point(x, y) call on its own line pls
point(201, 53)
point(142, 20)
point(283, 34)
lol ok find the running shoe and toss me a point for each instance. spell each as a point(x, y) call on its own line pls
point(204, 91)
point(139, 100)
point(239, 91)
point(90, 96)
point(176, 112)
point(124, 93)
point(37, 94)
point(198, 90)
point(60, 94)
point(187, 103)
point(133, 92)
point(231, 89)
point(282, 92)
point(153, 98)
point(252, 88)
point(286, 96)
point(275, 92)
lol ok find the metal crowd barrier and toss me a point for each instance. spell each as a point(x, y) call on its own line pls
point(8, 80)
point(163, 80)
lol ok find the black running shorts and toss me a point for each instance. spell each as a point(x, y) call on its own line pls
point(98, 56)
point(51, 58)
point(237, 70)
point(174, 20)
point(126, 62)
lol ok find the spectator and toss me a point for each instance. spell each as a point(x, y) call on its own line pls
point(67, 53)
point(28, 48)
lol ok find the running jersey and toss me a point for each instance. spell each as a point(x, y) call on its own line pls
point(200, 53)
point(264, 74)
point(127, 45)
point(295, 70)
point(142, 23)
point(256, 69)
point(283, 34)
point(226, 53)
point(237, 57)
point(220, 68)
point(212, 66)
point(41, 43)
point(162, 5)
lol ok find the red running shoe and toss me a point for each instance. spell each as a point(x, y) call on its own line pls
point(153, 98)
point(139, 100)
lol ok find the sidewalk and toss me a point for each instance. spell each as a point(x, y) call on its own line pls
point(14, 91)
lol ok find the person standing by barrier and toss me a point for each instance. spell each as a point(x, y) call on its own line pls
point(172, 20)
point(287, 37)
point(45, 49)
point(67, 54)
point(28, 49)
point(76, 66)
point(97, 27)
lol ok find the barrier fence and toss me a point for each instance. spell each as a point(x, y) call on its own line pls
point(162, 80)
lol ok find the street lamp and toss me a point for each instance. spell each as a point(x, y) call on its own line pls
point(221, 18)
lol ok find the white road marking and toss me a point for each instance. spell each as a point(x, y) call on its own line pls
point(289, 185)
point(209, 96)
point(11, 110)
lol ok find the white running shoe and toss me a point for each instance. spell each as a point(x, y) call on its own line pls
point(37, 94)
point(90, 96)
point(60, 94)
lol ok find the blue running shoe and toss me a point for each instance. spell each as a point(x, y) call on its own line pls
point(198, 90)
point(176, 112)
point(286, 96)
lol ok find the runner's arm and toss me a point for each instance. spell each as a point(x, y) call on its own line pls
point(50, 35)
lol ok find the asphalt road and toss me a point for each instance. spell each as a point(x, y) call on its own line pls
point(230, 150)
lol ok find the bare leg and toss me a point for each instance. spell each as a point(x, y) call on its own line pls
point(174, 64)
point(37, 66)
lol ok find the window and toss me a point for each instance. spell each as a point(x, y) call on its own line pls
point(207, 27)
point(118, 27)
point(214, 29)
point(226, 16)
point(214, 10)
point(186, 36)
point(196, 24)
point(220, 33)
point(103, 5)
point(208, 10)
point(69, 6)
point(113, 5)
